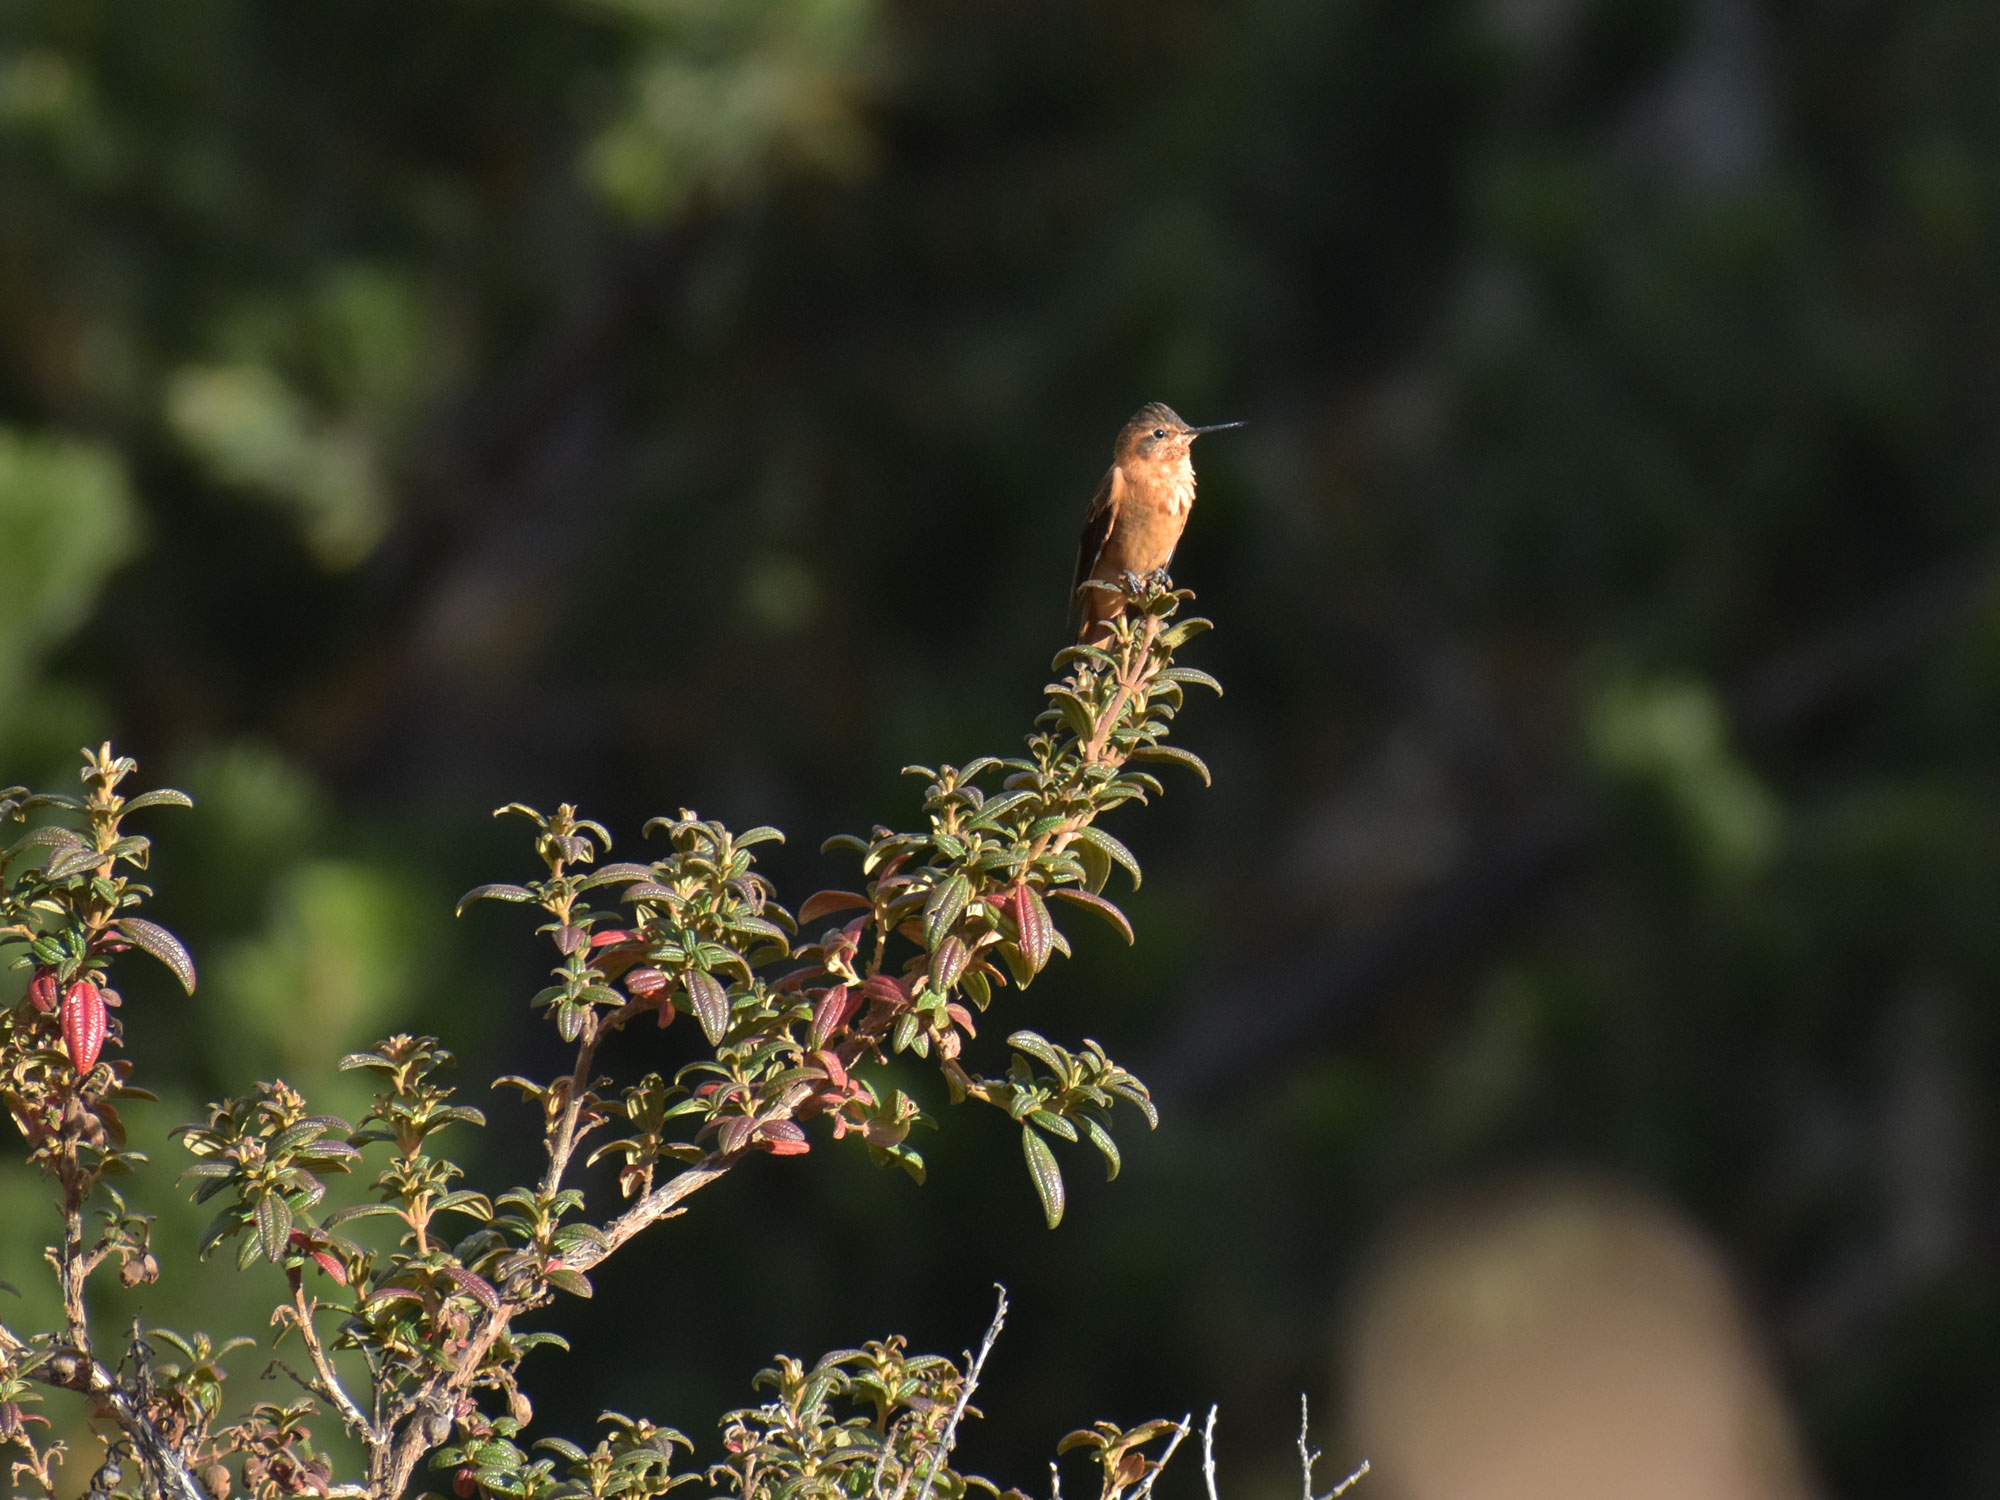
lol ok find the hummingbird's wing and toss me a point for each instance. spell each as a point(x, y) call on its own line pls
point(1097, 524)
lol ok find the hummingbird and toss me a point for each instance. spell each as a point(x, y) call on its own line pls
point(1137, 515)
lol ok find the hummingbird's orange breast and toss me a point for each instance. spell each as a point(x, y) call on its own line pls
point(1154, 512)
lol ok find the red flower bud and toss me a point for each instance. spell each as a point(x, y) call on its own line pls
point(83, 1024)
point(465, 1484)
point(42, 990)
point(783, 1138)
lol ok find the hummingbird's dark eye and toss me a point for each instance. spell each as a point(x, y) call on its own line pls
point(1159, 432)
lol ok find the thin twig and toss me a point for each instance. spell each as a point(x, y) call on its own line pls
point(1145, 1489)
point(1208, 1453)
point(1308, 1456)
point(972, 1374)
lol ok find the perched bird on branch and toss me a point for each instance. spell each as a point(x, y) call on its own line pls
point(1138, 513)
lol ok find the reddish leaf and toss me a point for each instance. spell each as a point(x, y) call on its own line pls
point(474, 1285)
point(783, 1138)
point(1038, 931)
point(83, 1024)
point(331, 1266)
point(833, 1011)
point(643, 982)
point(948, 963)
point(831, 1065)
point(606, 939)
point(42, 991)
point(824, 903)
point(888, 990)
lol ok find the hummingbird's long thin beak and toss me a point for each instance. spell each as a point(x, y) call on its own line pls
point(1213, 427)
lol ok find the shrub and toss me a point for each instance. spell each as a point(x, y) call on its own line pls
point(413, 1339)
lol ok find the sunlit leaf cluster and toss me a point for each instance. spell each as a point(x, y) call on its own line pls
point(405, 1294)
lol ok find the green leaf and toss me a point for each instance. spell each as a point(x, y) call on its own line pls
point(1101, 1139)
point(943, 909)
point(1095, 904)
point(1178, 756)
point(1047, 1176)
point(710, 1002)
point(72, 862)
point(1076, 714)
point(1054, 1124)
point(999, 807)
point(1095, 864)
point(574, 1282)
point(1192, 675)
point(163, 945)
point(274, 1226)
point(164, 796)
point(497, 892)
point(1097, 838)
point(1043, 1051)
point(48, 836)
point(978, 989)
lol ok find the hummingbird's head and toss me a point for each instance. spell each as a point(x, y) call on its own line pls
point(1155, 433)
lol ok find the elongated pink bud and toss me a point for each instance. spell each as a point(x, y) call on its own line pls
point(83, 1024)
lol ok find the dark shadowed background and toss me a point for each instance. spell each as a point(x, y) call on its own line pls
point(409, 408)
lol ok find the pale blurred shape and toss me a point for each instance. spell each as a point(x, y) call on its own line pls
point(251, 429)
point(338, 963)
point(1673, 734)
point(70, 522)
point(1558, 1340)
point(725, 94)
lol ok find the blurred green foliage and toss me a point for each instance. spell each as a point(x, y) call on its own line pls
point(682, 402)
